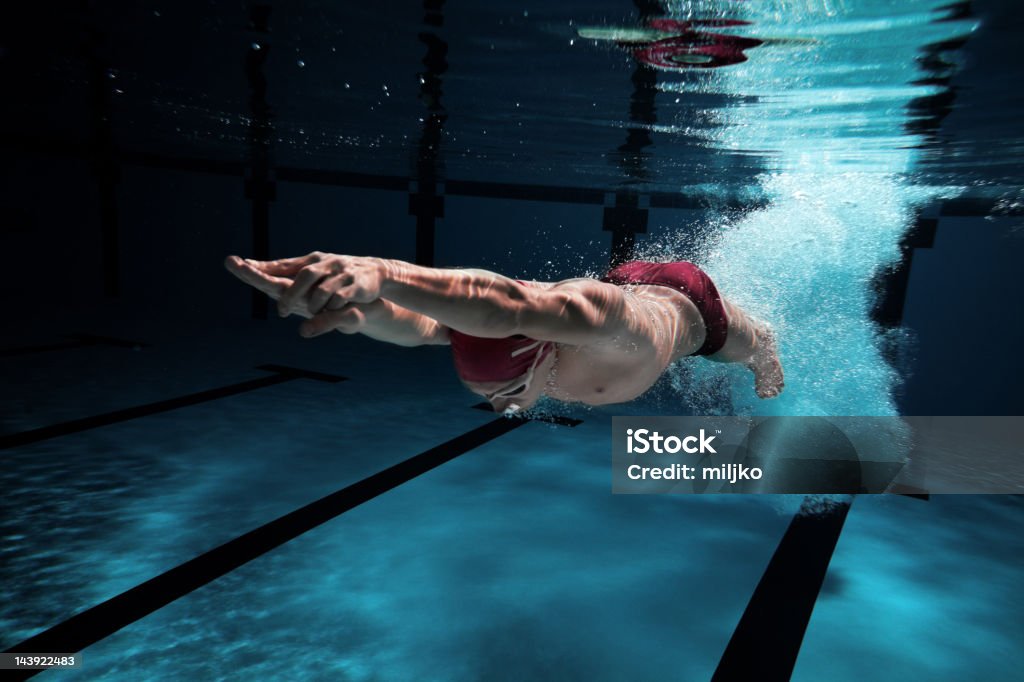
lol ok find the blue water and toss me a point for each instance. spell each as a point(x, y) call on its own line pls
point(513, 561)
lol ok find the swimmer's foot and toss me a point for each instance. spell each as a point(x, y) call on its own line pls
point(768, 379)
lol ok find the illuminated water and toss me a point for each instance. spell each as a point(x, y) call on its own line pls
point(829, 118)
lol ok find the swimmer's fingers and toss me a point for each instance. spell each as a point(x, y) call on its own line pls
point(324, 295)
point(337, 279)
point(316, 278)
point(347, 320)
point(268, 284)
point(287, 267)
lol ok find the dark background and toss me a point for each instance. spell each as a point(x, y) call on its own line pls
point(139, 144)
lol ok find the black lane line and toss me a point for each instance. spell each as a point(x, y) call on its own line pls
point(80, 341)
point(85, 629)
point(767, 640)
point(909, 491)
point(299, 373)
point(888, 308)
point(560, 421)
point(968, 207)
point(282, 375)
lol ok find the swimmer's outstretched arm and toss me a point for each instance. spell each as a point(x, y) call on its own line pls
point(384, 321)
point(488, 304)
point(477, 302)
point(380, 319)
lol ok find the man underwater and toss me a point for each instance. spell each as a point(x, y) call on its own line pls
point(578, 340)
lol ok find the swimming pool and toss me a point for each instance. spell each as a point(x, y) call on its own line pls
point(830, 178)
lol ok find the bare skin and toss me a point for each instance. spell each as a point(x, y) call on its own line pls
point(612, 342)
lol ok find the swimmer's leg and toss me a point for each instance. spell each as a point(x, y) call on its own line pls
point(753, 344)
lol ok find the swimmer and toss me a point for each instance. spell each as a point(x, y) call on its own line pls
point(578, 340)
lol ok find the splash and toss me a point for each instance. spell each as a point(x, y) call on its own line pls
point(829, 117)
point(805, 264)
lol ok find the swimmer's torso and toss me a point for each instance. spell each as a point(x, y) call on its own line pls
point(665, 326)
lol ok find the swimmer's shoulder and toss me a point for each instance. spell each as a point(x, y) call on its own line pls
point(594, 290)
point(572, 283)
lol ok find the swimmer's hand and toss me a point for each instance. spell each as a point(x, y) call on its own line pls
point(312, 283)
point(315, 286)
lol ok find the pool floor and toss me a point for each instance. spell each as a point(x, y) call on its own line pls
point(511, 561)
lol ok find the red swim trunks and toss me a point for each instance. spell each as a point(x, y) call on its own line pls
point(685, 278)
point(485, 359)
